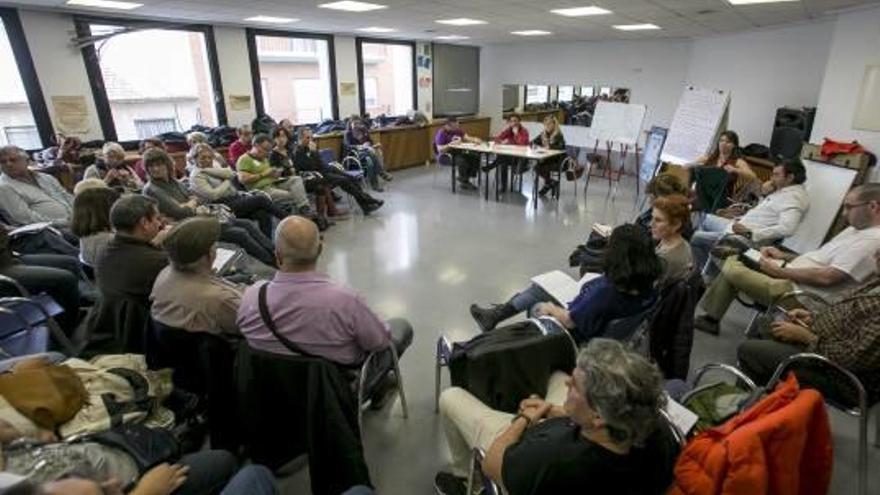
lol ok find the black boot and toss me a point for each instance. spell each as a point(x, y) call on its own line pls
point(488, 318)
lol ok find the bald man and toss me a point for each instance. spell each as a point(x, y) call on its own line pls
point(319, 316)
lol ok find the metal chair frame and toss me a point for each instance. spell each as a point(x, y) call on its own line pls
point(362, 382)
point(54, 328)
point(489, 486)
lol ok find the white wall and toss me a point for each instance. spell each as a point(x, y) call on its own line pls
point(655, 71)
point(763, 70)
point(60, 67)
point(235, 72)
point(346, 72)
point(856, 43)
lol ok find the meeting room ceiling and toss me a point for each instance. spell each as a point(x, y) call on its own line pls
point(414, 19)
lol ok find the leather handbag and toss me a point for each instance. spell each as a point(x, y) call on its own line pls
point(148, 447)
point(49, 395)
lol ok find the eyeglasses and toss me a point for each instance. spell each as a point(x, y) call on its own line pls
point(850, 206)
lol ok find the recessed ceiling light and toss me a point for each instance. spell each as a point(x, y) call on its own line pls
point(531, 32)
point(376, 29)
point(352, 6)
point(462, 21)
point(750, 2)
point(452, 37)
point(636, 27)
point(270, 19)
point(105, 4)
point(581, 11)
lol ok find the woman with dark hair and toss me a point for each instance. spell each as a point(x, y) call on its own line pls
point(627, 286)
point(91, 221)
point(714, 187)
point(281, 158)
point(670, 216)
point(727, 155)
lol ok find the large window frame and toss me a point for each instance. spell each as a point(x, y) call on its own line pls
point(251, 35)
point(359, 52)
point(34, 92)
point(96, 78)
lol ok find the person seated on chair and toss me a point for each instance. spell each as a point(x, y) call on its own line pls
point(212, 184)
point(513, 133)
point(176, 203)
point(599, 429)
point(726, 156)
point(91, 222)
point(847, 332)
point(468, 163)
point(830, 271)
point(774, 218)
point(57, 275)
point(112, 169)
point(241, 145)
point(670, 216)
point(320, 316)
point(256, 174)
point(193, 140)
point(550, 138)
point(627, 287)
point(30, 197)
point(186, 294)
point(143, 146)
point(306, 159)
point(282, 159)
point(357, 138)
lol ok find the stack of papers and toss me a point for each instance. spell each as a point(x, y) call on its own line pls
point(561, 286)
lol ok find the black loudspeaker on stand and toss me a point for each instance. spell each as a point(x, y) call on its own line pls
point(791, 129)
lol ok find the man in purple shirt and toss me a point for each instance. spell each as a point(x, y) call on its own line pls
point(468, 163)
point(318, 315)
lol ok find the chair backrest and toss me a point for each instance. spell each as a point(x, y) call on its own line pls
point(624, 328)
point(840, 387)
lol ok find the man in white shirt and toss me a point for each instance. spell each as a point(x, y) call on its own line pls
point(830, 271)
point(775, 217)
point(30, 197)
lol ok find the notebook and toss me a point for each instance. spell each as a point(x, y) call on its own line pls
point(561, 286)
point(224, 259)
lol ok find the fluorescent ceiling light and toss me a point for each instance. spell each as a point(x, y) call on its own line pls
point(376, 29)
point(581, 11)
point(531, 32)
point(352, 6)
point(270, 19)
point(636, 27)
point(462, 21)
point(452, 37)
point(105, 4)
point(751, 2)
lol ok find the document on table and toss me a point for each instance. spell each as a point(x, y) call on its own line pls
point(682, 417)
point(561, 286)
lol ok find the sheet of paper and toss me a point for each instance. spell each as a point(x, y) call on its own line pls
point(71, 114)
point(694, 124)
point(620, 123)
point(682, 417)
point(223, 257)
point(239, 102)
point(561, 286)
point(30, 228)
point(602, 229)
point(755, 256)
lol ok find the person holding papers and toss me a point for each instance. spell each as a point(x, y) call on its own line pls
point(512, 134)
point(551, 139)
point(468, 163)
point(830, 271)
point(627, 286)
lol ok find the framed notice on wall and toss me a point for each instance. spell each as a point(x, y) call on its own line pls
point(867, 115)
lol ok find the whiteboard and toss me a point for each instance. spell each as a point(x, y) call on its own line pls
point(618, 122)
point(826, 186)
point(695, 124)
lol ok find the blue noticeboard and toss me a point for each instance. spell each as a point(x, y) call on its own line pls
point(651, 155)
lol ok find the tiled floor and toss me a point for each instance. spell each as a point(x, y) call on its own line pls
point(429, 253)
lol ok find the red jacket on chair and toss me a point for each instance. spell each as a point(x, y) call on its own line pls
point(779, 446)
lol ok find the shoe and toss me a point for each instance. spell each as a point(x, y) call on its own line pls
point(339, 214)
point(336, 196)
point(449, 484)
point(467, 186)
point(370, 207)
point(574, 173)
point(544, 190)
point(488, 318)
point(386, 176)
point(384, 392)
point(487, 167)
point(305, 211)
point(376, 186)
point(377, 202)
point(706, 324)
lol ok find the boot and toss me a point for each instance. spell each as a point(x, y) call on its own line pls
point(489, 318)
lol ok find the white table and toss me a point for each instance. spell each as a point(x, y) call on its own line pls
point(536, 155)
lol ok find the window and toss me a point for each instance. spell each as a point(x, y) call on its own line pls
point(588, 91)
point(24, 119)
point(537, 94)
point(605, 91)
point(371, 92)
point(150, 76)
point(565, 93)
point(295, 75)
point(152, 127)
point(391, 65)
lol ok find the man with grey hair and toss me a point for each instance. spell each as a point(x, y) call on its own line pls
point(30, 197)
point(599, 429)
point(187, 295)
point(319, 316)
point(837, 267)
